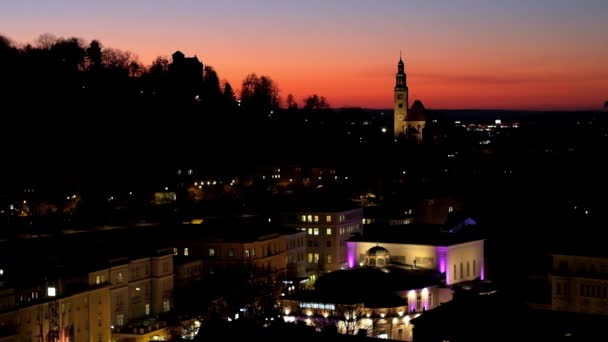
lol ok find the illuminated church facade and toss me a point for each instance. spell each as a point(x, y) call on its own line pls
point(408, 123)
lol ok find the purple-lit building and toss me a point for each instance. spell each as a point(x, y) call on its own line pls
point(377, 298)
point(457, 257)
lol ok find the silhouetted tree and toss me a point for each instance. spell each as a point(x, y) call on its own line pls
point(93, 54)
point(5, 44)
point(45, 41)
point(69, 54)
point(160, 65)
point(259, 96)
point(114, 59)
point(291, 103)
point(315, 102)
point(229, 97)
point(211, 94)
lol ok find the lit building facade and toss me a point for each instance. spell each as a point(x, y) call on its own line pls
point(83, 316)
point(102, 305)
point(377, 299)
point(326, 236)
point(579, 284)
point(462, 261)
point(259, 256)
point(408, 123)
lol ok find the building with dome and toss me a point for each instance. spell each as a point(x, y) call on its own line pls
point(457, 256)
point(377, 298)
point(408, 123)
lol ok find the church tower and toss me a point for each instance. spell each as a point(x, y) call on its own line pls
point(401, 102)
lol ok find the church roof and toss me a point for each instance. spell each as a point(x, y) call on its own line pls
point(417, 112)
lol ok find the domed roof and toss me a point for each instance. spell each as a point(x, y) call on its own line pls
point(377, 251)
point(371, 284)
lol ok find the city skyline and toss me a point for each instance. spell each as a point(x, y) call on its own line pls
point(543, 56)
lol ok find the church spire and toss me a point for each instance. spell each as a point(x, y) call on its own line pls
point(400, 81)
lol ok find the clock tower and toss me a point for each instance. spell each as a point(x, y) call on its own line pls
point(401, 102)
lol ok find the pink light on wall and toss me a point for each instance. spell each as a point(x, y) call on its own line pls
point(442, 255)
point(351, 254)
point(482, 273)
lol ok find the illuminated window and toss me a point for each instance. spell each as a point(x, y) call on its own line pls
point(316, 257)
point(328, 218)
point(211, 252)
point(247, 253)
point(310, 258)
point(174, 251)
point(450, 209)
point(97, 280)
point(231, 252)
point(309, 218)
point(253, 252)
point(329, 259)
point(120, 319)
point(309, 231)
point(316, 231)
point(328, 231)
point(147, 309)
point(186, 252)
point(316, 218)
point(166, 305)
point(303, 218)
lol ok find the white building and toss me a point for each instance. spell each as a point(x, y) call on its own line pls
point(455, 256)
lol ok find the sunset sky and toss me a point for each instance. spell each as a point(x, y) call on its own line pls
point(508, 54)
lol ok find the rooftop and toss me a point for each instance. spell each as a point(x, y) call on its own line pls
point(419, 234)
point(373, 286)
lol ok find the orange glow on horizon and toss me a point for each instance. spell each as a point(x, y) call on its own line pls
point(474, 54)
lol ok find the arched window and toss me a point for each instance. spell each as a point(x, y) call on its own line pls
point(468, 269)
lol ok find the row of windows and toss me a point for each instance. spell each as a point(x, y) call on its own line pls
point(585, 267)
point(270, 249)
point(291, 244)
point(468, 270)
point(316, 231)
point(313, 258)
point(328, 218)
point(349, 229)
point(192, 269)
point(591, 291)
point(315, 243)
point(292, 259)
point(329, 231)
point(314, 218)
